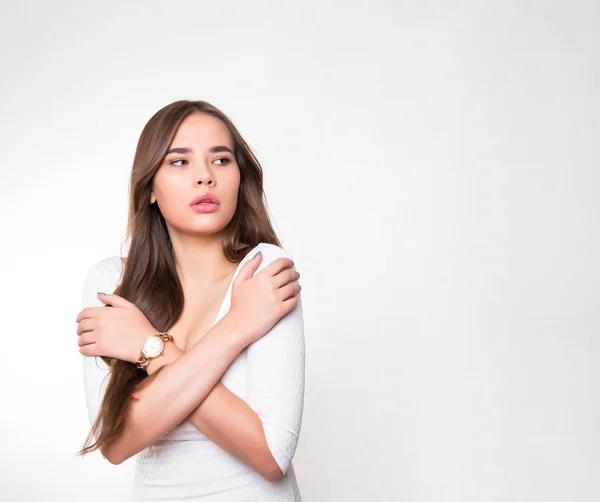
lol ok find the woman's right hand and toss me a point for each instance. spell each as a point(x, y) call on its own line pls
point(259, 301)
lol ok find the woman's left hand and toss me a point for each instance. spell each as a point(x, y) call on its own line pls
point(116, 332)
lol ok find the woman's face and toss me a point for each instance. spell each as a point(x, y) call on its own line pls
point(206, 165)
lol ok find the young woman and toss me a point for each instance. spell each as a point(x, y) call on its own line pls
point(200, 373)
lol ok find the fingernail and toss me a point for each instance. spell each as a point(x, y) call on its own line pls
point(259, 252)
point(101, 293)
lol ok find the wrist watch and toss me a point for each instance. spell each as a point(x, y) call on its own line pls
point(152, 347)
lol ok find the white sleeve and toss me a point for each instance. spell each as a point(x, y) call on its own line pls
point(95, 370)
point(275, 366)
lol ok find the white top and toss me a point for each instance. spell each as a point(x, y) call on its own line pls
point(268, 375)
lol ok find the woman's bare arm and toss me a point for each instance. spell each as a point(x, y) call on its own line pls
point(229, 422)
point(177, 389)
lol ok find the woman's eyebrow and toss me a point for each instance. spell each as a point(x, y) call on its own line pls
point(182, 150)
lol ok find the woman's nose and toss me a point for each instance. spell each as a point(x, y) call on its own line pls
point(204, 177)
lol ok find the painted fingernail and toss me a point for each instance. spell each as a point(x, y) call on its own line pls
point(101, 293)
point(259, 252)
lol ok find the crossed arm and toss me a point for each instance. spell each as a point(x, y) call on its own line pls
point(261, 431)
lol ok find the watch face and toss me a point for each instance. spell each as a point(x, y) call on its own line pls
point(152, 346)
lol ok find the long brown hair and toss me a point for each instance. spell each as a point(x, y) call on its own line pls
point(149, 278)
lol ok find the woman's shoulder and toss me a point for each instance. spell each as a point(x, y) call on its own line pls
point(111, 266)
point(270, 251)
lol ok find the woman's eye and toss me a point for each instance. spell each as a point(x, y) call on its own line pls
point(178, 160)
point(225, 159)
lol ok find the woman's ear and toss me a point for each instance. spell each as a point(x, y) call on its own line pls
point(152, 198)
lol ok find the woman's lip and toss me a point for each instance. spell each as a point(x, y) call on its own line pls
point(205, 195)
point(205, 207)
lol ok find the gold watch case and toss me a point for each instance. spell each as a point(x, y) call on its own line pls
point(153, 346)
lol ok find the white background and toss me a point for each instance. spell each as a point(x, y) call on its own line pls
point(433, 169)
